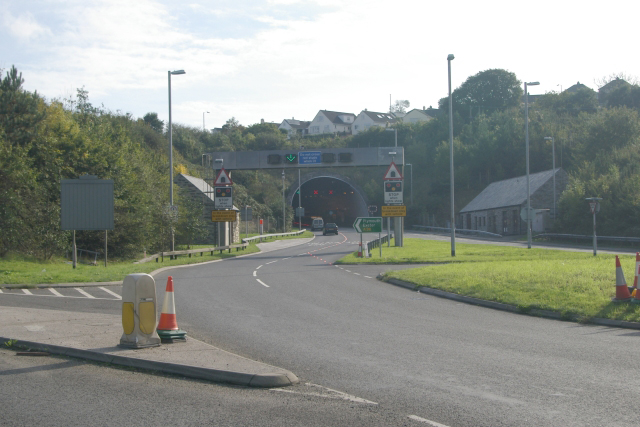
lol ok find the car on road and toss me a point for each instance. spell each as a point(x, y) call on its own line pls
point(317, 224)
point(330, 228)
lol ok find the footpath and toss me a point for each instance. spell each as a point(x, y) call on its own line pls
point(95, 337)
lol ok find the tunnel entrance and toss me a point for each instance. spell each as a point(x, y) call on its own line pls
point(330, 196)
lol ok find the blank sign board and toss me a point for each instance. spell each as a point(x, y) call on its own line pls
point(86, 203)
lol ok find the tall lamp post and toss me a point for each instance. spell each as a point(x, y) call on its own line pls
point(284, 222)
point(171, 154)
point(453, 215)
point(526, 139)
point(553, 153)
point(203, 119)
point(411, 177)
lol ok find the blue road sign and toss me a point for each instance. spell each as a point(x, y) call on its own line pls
point(309, 157)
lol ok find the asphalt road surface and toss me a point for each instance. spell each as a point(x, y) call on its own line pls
point(425, 360)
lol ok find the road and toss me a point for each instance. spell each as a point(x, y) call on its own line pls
point(426, 360)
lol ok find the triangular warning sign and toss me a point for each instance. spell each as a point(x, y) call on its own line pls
point(223, 179)
point(393, 174)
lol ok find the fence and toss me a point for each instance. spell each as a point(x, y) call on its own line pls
point(461, 231)
point(583, 237)
point(270, 236)
point(174, 254)
point(376, 243)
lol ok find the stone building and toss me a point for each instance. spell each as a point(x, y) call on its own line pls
point(497, 208)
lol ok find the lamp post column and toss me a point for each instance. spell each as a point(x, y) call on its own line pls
point(526, 138)
point(453, 215)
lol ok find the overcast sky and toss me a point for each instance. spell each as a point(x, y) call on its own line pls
point(279, 59)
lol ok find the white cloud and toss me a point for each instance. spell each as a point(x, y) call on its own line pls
point(23, 27)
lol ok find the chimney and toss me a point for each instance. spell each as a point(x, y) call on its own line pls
point(261, 121)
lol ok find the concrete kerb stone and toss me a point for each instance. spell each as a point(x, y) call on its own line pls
point(213, 375)
point(506, 307)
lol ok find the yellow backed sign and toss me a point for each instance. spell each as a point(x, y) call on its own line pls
point(223, 216)
point(394, 210)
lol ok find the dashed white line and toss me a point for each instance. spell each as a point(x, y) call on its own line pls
point(110, 292)
point(368, 277)
point(272, 262)
point(357, 274)
point(86, 294)
point(55, 292)
point(255, 273)
point(426, 421)
point(27, 292)
point(262, 283)
point(258, 267)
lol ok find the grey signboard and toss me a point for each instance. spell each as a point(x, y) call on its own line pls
point(86, 204)
point(320, 158)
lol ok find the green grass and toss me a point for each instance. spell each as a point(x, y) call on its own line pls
point(19, 270)
point(575, 284)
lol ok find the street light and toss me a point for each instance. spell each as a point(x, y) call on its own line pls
point(203, 120)
point(553, 151)
point(169, 73)
point(453, 217)
point(284, 222)
point(526, 138)
point(411, 177)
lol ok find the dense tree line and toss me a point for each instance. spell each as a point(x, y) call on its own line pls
point(42, 142)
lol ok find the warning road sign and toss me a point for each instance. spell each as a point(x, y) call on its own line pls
point(223, 179)
point(393, 174)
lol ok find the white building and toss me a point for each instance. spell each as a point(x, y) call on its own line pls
point(331, 122)
point(416, 115)
point(293, 127)
point(367, 119)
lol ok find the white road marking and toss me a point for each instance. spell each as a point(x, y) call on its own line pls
point(262, 283)
point(27, 292)
point(258, 267)
point(272, 262)
point(348, 271)
point(368, 277)
point(55, 296)
point(285, 258)
point(110, 292)
point(86, 294)
point(0, 291)
point(255, 273)
point(56, 293)
point(327, 393)
point(357, 274)
point(426, 421)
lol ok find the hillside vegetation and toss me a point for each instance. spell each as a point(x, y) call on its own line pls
point(44, 141)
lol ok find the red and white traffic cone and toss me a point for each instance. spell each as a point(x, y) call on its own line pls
point(168, 326)
point(635, 279)
point(622, 291)
point(360, 250)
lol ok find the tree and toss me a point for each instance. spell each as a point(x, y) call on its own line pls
point(570, 103)
point(625, 96)
point(400, 106)
point(486, 92)
point(152, 120)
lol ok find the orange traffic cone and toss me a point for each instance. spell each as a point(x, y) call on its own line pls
point(168, 326)
point(622, 291)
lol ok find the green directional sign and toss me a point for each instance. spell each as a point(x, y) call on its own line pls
point(368, 224)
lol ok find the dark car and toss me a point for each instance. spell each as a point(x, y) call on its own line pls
point(330, 228)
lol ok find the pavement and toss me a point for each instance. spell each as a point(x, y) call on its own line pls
point(96, 337)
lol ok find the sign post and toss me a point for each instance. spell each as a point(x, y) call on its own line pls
point(368, 225)
point(594, 208)
point(393, 195)
point(223, 199)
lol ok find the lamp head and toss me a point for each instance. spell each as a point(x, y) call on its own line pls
point(178, 72)
point(532, 83)
point(450, 57)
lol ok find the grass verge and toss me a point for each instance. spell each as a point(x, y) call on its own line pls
point(574, 284)
point(19, 270)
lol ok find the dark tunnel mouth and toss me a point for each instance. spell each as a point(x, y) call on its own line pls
point(332, 199)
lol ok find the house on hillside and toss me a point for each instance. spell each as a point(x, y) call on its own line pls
point(294, 127)
point(497, 208)
point(576, 87)
point(416, 115)
point(201, 192)
point(331, 122)
point(605, 90)
point(367, 119)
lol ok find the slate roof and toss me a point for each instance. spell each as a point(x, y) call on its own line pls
point(334, 117)
point(510, 192)
point(297, 124)
point(381, 117)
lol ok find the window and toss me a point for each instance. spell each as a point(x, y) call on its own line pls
point(315, 129)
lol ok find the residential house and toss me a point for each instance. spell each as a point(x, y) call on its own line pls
point(605, 90)
point(417, 115)
point(331, 122)
point(497, 208)
point(367, 119)
point(294, 127)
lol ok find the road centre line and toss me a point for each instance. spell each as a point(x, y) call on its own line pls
point(262, 283)
point(110, 292)
point(56, 293)
point(426, 421)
